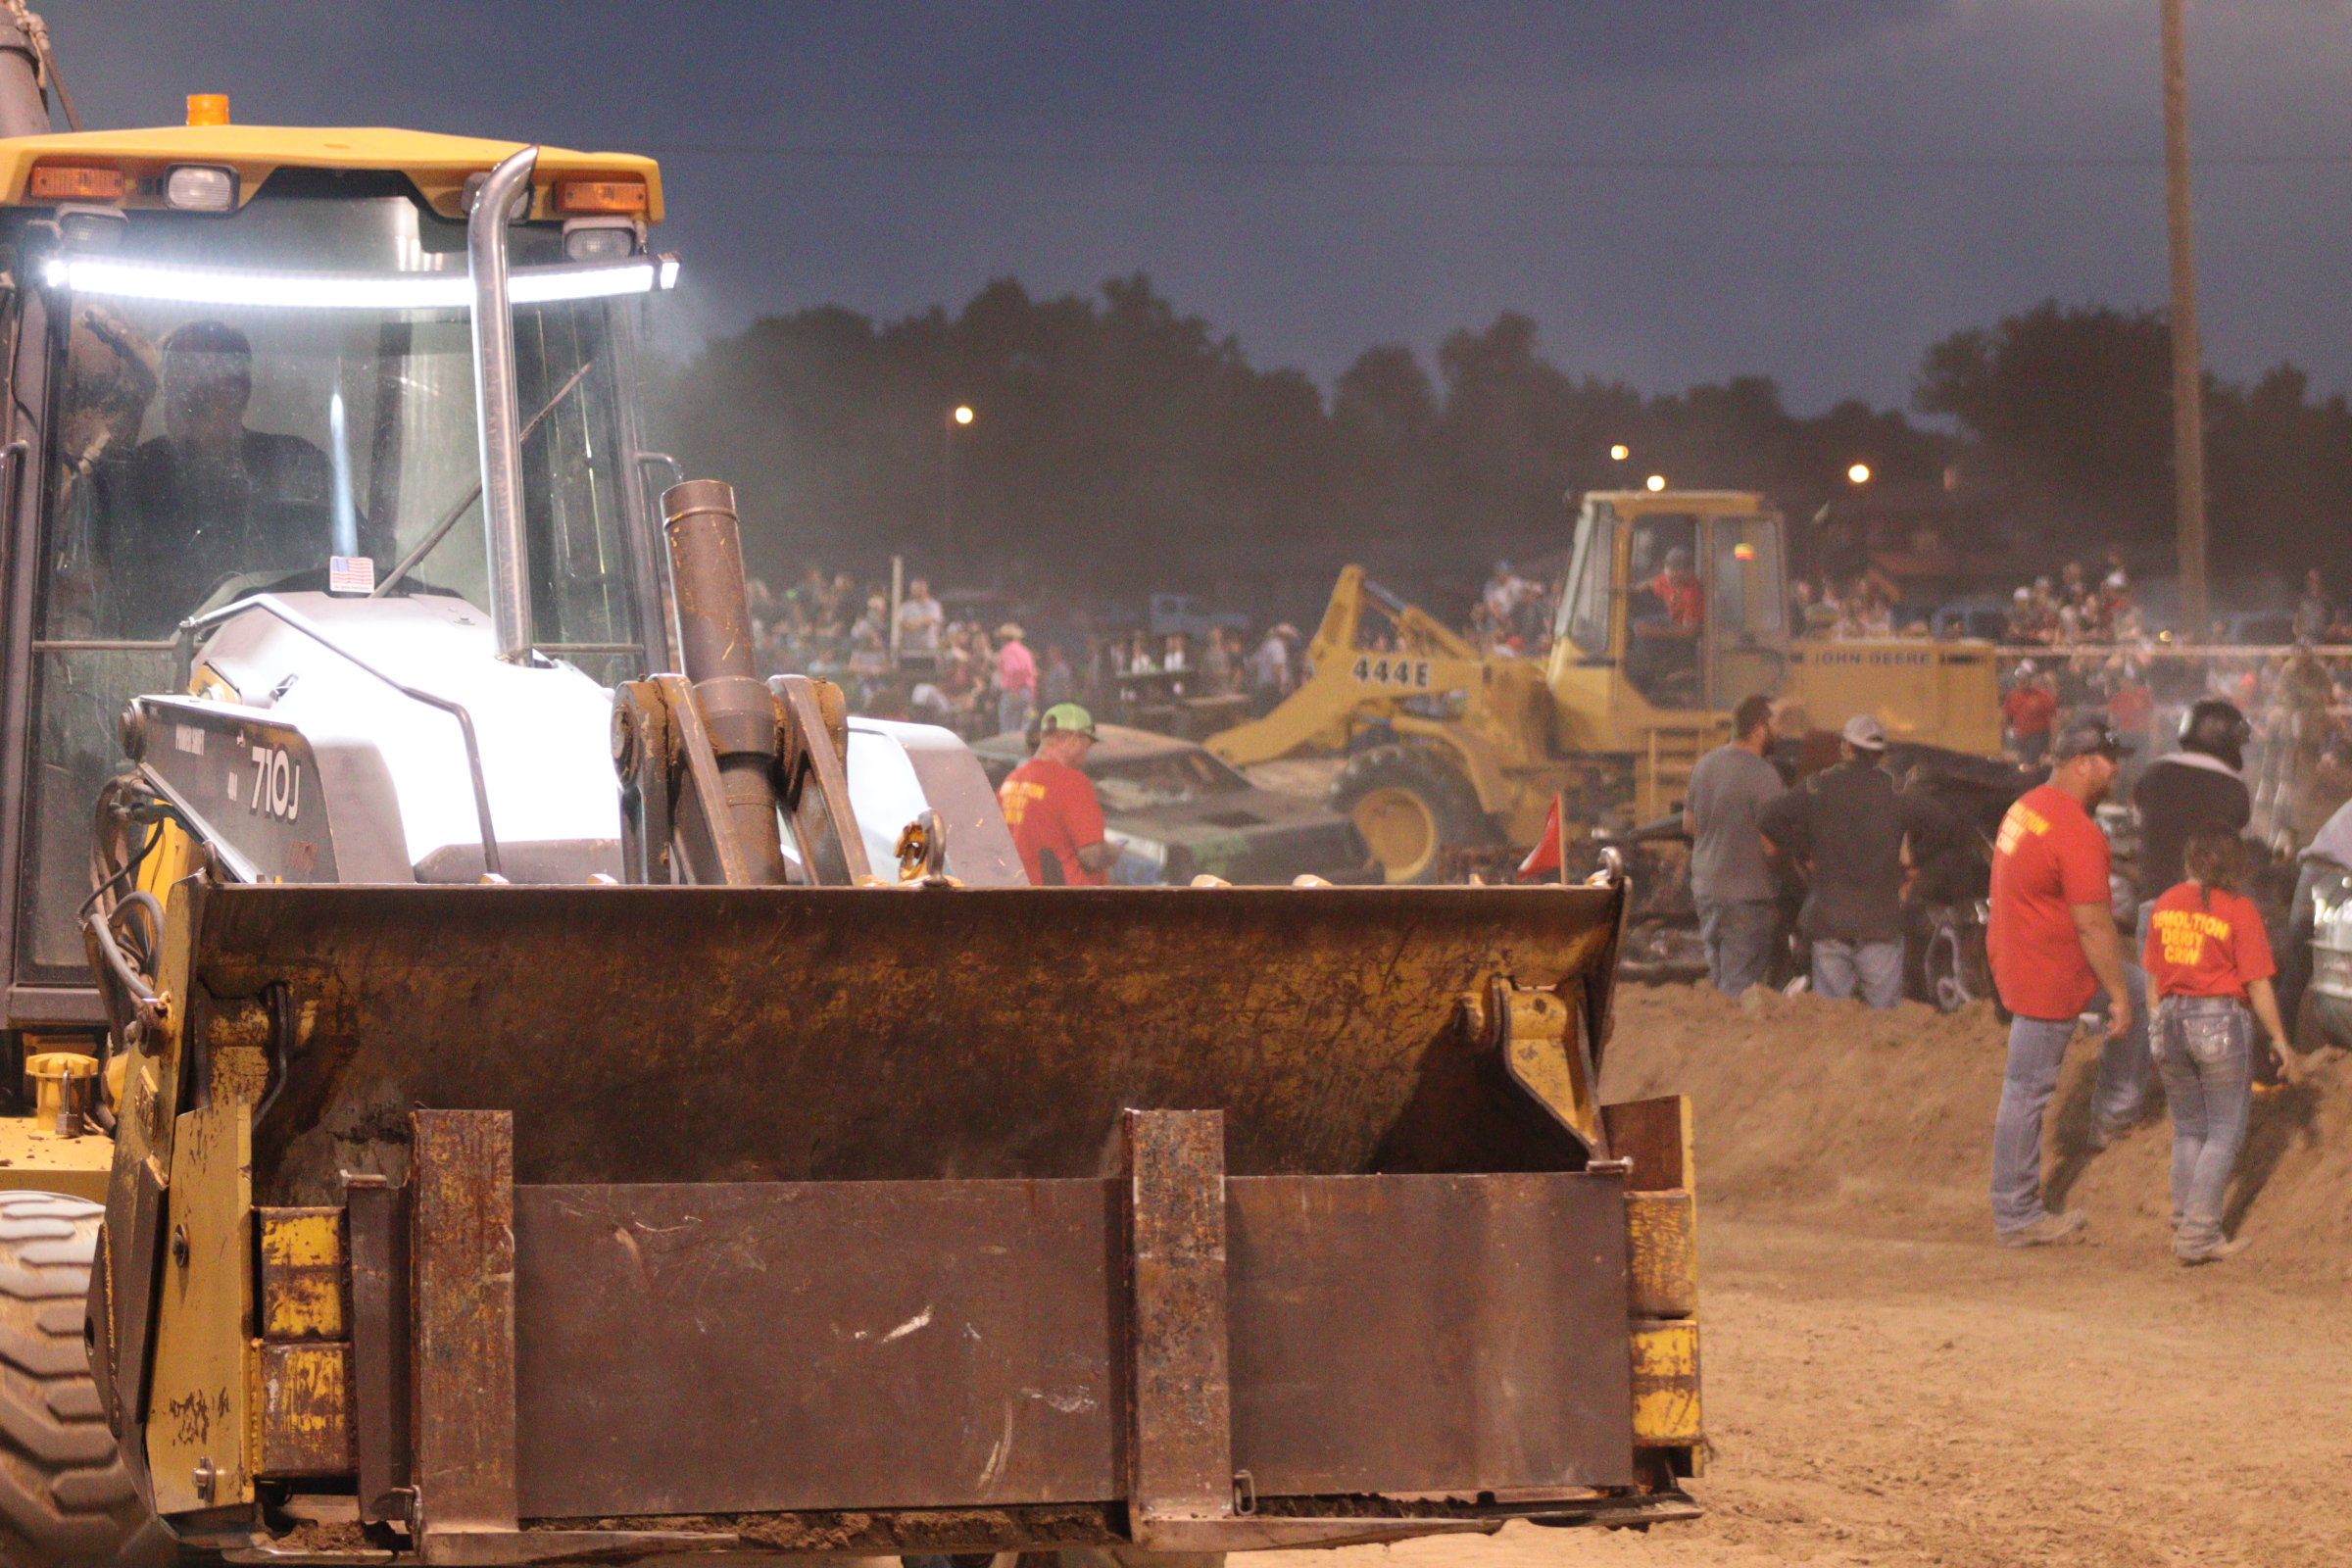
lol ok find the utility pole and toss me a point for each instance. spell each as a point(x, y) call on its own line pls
point(2189, 387)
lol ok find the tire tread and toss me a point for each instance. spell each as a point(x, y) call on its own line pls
point(66, 1498)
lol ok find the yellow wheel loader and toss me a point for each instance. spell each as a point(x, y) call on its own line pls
point(1673, 609)
point(507, 1084)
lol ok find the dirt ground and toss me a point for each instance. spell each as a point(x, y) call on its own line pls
point(1884, 1386)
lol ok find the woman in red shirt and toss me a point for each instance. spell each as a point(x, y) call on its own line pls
point(2208, 960)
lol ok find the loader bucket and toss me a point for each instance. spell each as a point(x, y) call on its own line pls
point(934, 1219)
point(672, 1034)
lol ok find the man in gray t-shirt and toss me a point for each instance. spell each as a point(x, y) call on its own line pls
point(1734, 888)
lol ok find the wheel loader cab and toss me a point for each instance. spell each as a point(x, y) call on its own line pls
point(1676, 607)
point(1683, 595)
point(275, 392)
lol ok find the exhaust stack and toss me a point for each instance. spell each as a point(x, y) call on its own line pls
point(497, 419)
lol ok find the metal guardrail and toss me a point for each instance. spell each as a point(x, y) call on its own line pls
point(2167, 649)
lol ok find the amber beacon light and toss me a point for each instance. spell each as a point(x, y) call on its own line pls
point(208, 109)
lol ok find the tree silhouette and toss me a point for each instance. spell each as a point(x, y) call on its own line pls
point(2068, 416)
point(1122, 445)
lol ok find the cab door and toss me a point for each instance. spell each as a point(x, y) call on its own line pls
point(1746, 629)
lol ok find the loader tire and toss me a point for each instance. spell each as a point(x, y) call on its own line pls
point(1409, 803)
point(65, 1499)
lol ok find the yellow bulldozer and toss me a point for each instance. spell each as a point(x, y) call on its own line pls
point(506, 1083)
point(1675, 606)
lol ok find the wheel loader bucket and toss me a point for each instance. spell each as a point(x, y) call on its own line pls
point(604, 1222)
point(784, 1033)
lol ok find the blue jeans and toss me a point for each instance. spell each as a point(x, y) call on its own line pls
point(1738, 935)
point(2036, 1050)
point(1876, 966)
point(2204, 1048)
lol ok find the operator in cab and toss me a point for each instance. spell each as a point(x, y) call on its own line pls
point(1666, 616)
point(210, 499)
point(1678, 589)
point(1050, 805)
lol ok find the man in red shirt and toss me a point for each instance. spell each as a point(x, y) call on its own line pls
point(2055, 953)
point(1050, 805)
point(2028, 711)
point(1662, 659)
point(1678, 589)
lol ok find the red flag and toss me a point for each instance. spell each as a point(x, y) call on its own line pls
point(1545, 858)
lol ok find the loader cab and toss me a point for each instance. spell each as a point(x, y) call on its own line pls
point(241, 361)
point(1682, 596)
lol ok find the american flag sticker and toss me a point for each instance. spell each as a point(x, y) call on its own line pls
point(351, 574)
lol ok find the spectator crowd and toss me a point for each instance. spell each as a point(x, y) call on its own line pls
point(2092, 652)
point(982, 674)
point(2080, 644)
point(1513, 617)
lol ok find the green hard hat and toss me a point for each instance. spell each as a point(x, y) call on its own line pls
point(1069, 716)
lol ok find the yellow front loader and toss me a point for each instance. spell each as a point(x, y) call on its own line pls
point(1675, 608)
point(507, 1084)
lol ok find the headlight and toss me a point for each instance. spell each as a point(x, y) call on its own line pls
point(200, 188)
point(599, 239)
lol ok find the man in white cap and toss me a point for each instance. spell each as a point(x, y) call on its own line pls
point(2028, 712)
point(1846, 825)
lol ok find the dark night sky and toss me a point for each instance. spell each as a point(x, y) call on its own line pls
point(1086, 140)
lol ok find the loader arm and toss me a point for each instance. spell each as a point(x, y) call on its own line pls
point(1351, 686)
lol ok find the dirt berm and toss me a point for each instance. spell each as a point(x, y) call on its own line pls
point(1884, 1388)
point(1882, 1122)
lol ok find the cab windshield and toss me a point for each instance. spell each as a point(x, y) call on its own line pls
point(210, 448)
point(284, 401)
point(1584, 613)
